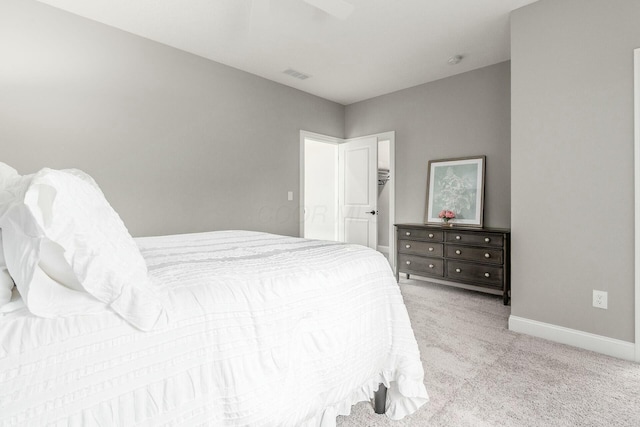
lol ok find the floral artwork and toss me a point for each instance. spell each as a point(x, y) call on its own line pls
point(457, 186)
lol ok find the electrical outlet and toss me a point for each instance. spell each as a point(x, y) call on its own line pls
point(600, 299)
point(290, 195)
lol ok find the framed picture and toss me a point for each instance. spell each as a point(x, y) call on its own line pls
point(456, 185)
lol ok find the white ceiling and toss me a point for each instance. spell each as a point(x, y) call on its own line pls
point(383, 46)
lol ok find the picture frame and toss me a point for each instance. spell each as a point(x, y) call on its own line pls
point(456, 185)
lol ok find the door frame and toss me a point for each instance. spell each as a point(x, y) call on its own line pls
point(389, 136)
point(636, 167)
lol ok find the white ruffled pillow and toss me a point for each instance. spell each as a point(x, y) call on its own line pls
point(69, 252)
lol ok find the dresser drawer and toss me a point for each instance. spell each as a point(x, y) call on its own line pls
point(420, 265)
point(427, 235)
point(479, 239)
point(420, 248)
point(483, 255)
point(486, 274)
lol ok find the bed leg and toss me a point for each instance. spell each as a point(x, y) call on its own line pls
point(380, 400)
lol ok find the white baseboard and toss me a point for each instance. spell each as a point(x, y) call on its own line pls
point(383, 249)
point(598, 343)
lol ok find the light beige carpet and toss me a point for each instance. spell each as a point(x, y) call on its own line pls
point(478, 373)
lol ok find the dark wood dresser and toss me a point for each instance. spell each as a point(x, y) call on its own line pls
point(476, 257)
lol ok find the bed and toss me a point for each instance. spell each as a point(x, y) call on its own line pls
point(255, 329)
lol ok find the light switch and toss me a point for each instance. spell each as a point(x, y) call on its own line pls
point(290, 196)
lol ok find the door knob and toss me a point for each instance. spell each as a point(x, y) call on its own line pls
point(372, 212)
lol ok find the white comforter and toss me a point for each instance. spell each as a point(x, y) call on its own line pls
point(264, 330)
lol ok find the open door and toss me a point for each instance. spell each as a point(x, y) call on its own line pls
point(358, 192)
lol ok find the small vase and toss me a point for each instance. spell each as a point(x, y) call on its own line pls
point(446, 223)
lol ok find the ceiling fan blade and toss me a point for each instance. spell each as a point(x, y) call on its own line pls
point(337, 8)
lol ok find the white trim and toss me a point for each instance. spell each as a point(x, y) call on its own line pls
point(598, 343)
point(391, 136)
point(301, 189)
point(636, 157)
point(383, 249)
point(320, 137)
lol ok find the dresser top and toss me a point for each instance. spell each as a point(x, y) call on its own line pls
point(454, 227)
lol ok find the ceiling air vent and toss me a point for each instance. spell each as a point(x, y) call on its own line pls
point(296, 74)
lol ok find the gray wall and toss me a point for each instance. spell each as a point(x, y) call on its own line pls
point(464, 115)
point(572, 163)
point(177, 143)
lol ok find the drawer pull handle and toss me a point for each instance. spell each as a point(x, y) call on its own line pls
point(487, 275)
point(486, 239)
point(487, 255)
point(408, 262)
point(430, 249)
point(458, 270)
point(408, 233)
point(458, 252)
point(431, 265)
point(407, 246)
point(458, 237)
point(431, 235)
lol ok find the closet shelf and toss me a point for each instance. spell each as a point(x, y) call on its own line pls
point(383, 176)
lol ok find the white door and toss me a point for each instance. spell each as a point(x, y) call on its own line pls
point(358, 192)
